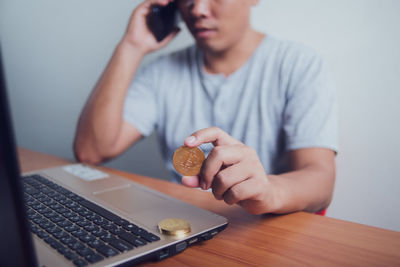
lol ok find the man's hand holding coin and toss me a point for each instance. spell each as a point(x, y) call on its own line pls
point(233, 171)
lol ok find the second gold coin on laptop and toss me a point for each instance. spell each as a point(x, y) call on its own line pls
point(188, 160)
point(174, 226)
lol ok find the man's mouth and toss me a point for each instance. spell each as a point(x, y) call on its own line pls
point(201, 32)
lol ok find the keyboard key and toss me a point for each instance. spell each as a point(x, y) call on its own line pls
point(49, 202)
point(108, 237)
point(33, 216)
point(38, 206)
point(71, 204)
point(68, 214)
point(47, 224)
point(45, 190)
point(56, 206)
point(78, 209)
point(130, 227)
point(64, 200)
point(52, 242)
point(32, 202)
point(35, 228)
point(100, 221)
point(87, 238)
point(71, 255)
point(71, 228)
point(42, 234)
point(83, 223)
point(30, 212)
point(72, 195)
point(85, 251)
point(62, 210)
point(68, 240)
point(150, 237)
point(96, 243)
point(31, 191)
point(44, 210)
point(53, 230)
point(85, 213)
point(76, 198)
point(51, 214)
point(120, 221)
point(79, 233)
point(93, 258)
point(53, 194)
point(91, 228)
point(80, 263)
point(107, 251)
point(76, 218)
point(64, 223)
point(97, 209)
point(139, 231)
point(99, 233)
point(38, 220)
point(61, 234)
point(134, 240)
point(63, 250)
point(57, 219)
point(76, 246)
point(110, 226)
point(121, 245)
point(117, 231)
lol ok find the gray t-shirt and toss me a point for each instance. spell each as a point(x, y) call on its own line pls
point(281, 99)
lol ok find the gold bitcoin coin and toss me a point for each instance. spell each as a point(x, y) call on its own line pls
point(188, 160)
point(174, 226)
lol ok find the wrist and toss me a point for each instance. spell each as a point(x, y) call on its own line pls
point(131, 48)
point(275, 194)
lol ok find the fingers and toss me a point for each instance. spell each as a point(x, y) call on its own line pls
point(210, 135)
point(149, 3)
point(219, 157)
point(232, 169)
point(228, 178)
point(190, 181)
point(145, 7)
point(248, 189)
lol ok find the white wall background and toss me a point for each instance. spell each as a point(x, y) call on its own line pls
point(54, 52)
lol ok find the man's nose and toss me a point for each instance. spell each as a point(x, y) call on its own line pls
point(200, 8)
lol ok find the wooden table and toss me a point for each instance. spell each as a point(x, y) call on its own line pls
point(285, 240)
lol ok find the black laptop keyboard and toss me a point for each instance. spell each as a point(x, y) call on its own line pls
point(80, 230)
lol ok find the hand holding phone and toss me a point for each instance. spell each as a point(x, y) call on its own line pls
point(162, 20)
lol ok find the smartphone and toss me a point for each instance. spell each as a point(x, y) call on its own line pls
point(162, 20)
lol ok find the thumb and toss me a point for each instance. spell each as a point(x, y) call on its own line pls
point(213, 135)
point(191, 181)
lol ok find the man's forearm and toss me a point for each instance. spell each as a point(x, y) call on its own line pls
point(101, 119)
point(309, 188)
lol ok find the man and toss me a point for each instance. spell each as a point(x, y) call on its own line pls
point(266, 106)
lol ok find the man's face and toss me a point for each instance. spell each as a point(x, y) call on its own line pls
point(216, 24)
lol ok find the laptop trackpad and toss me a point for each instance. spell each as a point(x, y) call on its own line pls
point(141, 204)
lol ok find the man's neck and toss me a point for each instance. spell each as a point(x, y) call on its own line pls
point(228, 61)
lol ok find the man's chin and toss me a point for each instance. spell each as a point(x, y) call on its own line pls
point(209, 46)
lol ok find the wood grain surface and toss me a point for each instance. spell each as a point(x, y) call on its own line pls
point(269, 240)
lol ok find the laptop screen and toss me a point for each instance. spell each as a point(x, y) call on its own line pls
point(15, 243)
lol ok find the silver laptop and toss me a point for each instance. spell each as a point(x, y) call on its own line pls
point(75, 215)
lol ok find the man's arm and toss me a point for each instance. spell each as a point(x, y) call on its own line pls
point(309, 186)
point(101, 132)
point(235, 174)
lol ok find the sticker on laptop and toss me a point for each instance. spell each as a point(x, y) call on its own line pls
point(84, 172)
